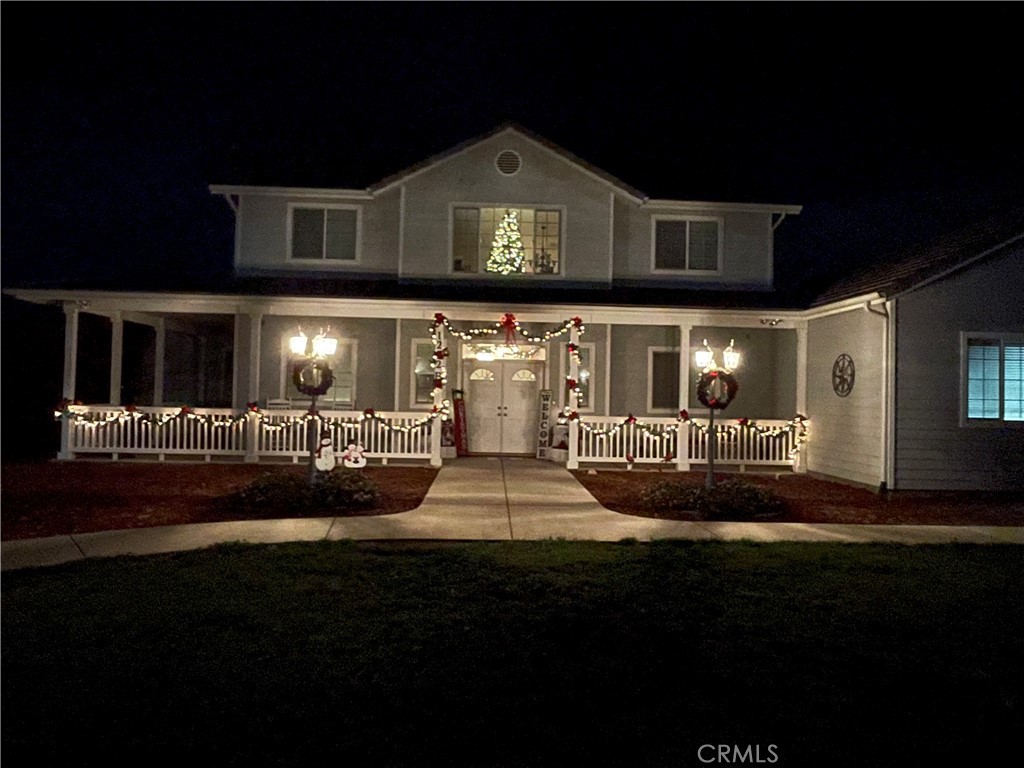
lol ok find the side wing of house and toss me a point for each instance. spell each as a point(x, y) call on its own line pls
point(846, 391)
point(960, 379)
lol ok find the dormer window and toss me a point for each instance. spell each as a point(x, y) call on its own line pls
point(686, 244)
point(503, 241)
point(323, 233)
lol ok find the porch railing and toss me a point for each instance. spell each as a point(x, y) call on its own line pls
point(220, 432)
point(688, 444)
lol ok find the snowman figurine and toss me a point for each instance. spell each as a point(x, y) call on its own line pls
point(353, 457)
point(325, 458)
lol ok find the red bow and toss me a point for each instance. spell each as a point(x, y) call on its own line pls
point(684, 415)
point(508, 322)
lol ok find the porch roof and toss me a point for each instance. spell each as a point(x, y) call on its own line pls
point(328, 287)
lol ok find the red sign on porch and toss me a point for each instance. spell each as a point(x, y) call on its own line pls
point(461, 440)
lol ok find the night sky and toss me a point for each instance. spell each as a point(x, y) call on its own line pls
point(116, 117)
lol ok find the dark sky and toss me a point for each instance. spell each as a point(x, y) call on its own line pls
point(117, 116)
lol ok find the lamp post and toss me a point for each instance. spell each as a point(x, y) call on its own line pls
point(312, 375)
point(716, 388)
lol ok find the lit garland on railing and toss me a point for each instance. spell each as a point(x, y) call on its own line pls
point(130, 413)
point(797, 426)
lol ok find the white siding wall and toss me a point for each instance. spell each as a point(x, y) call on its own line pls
point(932, 450)
point(846, 432)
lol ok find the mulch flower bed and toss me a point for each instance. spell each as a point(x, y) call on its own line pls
point(59, 498)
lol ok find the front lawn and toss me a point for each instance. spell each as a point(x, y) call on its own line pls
point(517, 654)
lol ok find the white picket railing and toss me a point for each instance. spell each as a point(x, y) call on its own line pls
point(735, 446)
point(208, 432)
point(281, 434)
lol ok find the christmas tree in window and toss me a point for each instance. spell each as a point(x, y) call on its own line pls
point(507, 254)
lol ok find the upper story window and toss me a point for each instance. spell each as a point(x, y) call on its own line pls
point(506, 241)
point(992, 377)
point(686, 244)
point(323, 233)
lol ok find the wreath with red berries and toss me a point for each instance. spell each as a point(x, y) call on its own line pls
point(716, 389)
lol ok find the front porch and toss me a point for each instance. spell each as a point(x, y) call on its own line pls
point(211, 382)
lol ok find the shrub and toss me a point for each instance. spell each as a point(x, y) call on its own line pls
point(728, 500)
point(290, 494)
point(344, 489)
point(737, 500)
point(670, 495)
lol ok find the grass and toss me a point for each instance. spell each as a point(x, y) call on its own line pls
point(518, 654)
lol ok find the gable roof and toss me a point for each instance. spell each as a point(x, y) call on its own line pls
point(899, 273)
point(549, 146)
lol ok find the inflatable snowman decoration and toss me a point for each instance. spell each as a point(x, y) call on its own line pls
point(353, 457)
point(325, 458)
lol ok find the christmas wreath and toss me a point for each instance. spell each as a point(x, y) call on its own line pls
point(716, 389)
point(312, 378)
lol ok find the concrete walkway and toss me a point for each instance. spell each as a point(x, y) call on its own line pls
point(487, 499)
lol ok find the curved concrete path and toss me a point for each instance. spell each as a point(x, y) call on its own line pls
point(497, 499)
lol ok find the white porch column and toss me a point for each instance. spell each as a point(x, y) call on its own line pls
point(116, 356)
point(255, 336)
point(435, 423)
point(573, 402)
point(158, 362)
point(70, 365)
point(683, 435)
point(252, 426)
point(800, 463)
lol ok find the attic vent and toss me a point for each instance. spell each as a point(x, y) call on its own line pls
point(508, 162)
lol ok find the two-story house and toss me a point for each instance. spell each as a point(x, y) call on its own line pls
point(504, 286)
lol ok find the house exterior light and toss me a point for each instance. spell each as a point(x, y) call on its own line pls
point(297, 343)
point(324, 346)
point(731, 357)
point(704, 358)
point(716, 388)
point(312, 375)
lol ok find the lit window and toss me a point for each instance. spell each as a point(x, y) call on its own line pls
point(535, 236)
point(324, 234)
point(585, 376)
point(686, 245)
point(993, 377)
point(422, 372)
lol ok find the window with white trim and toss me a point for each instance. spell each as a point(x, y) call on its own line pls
point(422, 372)
point(474, 230)
point(585, 376)
point(992, 377)
point(342, 394)
point(323, 233)
point(681, 244)
point(662, 379)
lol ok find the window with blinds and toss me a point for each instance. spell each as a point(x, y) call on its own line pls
point(994, 378)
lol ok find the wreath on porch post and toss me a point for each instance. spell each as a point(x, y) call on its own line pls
point(716, 389)
point(312, 378)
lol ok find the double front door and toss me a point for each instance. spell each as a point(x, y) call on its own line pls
point(502, 401)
